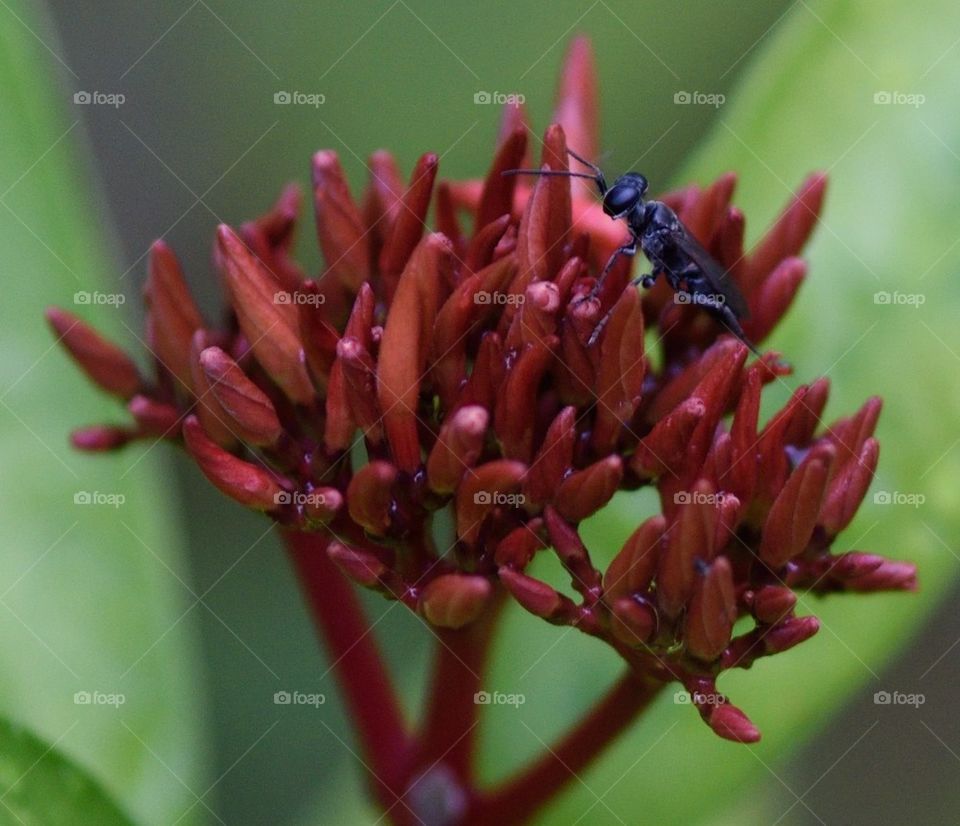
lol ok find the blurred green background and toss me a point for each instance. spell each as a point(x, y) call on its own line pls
point(182, 603)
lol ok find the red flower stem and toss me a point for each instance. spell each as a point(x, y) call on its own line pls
point(450, 721)
point(355, 659)
point(520, 797)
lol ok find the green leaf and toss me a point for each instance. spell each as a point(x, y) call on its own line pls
point(89, 601)
point(890, 225)
point(41, 787)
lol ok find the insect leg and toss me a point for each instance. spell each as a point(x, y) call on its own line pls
point(648, 280)
point(630, 249)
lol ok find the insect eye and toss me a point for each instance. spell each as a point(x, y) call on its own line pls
point(620, 199)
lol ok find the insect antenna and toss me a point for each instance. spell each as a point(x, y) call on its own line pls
point(549, 172)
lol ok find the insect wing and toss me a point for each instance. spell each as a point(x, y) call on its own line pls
point(719, 278)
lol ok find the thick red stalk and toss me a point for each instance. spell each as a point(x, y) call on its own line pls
point(449, 727)
point(520, 797)
point(364, 681)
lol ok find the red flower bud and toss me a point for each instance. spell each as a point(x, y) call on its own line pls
point(251, 485)
point(712, 612)
point(269, 323)
point(173, 316)
point(455, 600)
point(586, 491)
point(339, 225)
point(370, 496)
point(457, 449)
point(252, 416)
point(105, 363)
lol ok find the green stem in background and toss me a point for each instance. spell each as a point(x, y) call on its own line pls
point(519, 798)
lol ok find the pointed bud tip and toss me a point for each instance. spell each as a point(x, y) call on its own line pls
point(732, 724)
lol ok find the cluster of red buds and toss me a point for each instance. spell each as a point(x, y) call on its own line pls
point(451, 374)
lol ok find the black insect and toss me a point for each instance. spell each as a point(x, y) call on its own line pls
point(671, 249)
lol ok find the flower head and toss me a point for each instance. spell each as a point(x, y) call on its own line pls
point(454, 371)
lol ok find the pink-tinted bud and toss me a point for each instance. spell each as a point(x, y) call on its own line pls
point(99, 438)
point(772, 603)
point(457, 449)
point(251, 485)
point(712, 612)
point(455, 600)
point(633, 621)
point(405, 344)
point(339, 225)
point(410, 220)
point(794, 513)
point(536, 596)
point(484, 488)
point(848, 487)
point(252, 416)
point(633, 567)
point(518, 547)
point(586, 491)
point(156, 418)
point(370, 496)
point(361, 566)
point(173, 316)
point(730, 723)
point(268, 321)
